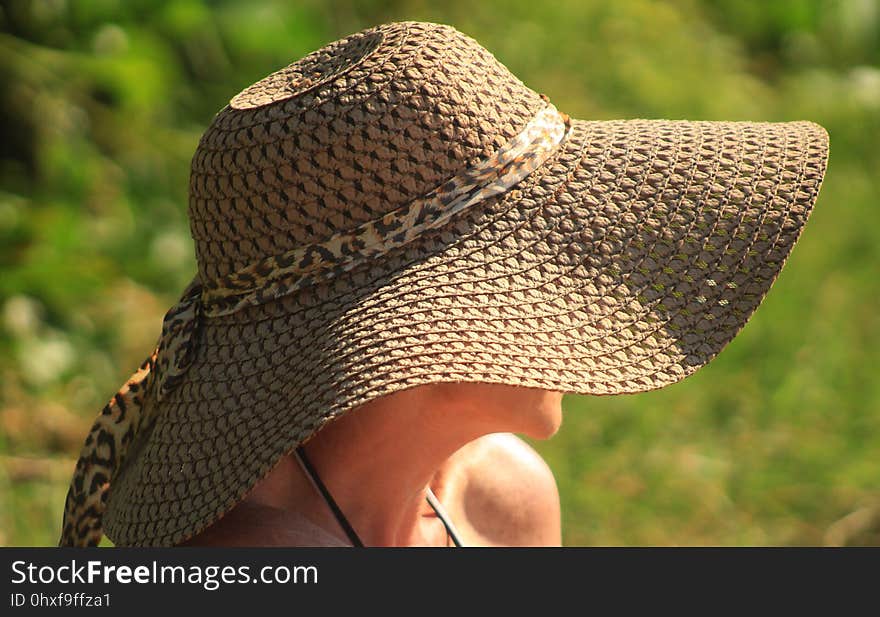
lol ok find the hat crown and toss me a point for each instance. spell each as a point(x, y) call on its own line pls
point(344, 135)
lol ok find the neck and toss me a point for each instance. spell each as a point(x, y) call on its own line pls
point(377, 464)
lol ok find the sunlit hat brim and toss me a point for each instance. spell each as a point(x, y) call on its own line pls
point(624, 264)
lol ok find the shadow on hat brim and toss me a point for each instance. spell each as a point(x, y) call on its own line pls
point(624, 264)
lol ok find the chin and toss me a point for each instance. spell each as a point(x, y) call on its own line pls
point(544, 427)
point(545, 418)
point(532, 412)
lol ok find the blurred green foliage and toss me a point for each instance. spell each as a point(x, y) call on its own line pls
point(101, 106)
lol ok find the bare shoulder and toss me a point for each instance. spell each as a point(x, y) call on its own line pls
point(252, 524)
point(505, 493)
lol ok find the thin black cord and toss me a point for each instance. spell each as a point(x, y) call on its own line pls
point(444, 517)
point(343, 522)
point(340, 517)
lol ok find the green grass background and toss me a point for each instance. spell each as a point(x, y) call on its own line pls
point(776, 442)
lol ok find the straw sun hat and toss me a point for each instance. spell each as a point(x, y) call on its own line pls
point(397, 209)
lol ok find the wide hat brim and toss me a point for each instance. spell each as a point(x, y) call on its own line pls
point(624, 264)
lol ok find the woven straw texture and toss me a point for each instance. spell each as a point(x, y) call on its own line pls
point(623, 264)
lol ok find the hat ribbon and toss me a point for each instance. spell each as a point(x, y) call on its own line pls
point(131, 408)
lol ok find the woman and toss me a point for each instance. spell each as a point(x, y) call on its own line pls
point(403, 251)
point(380, 461)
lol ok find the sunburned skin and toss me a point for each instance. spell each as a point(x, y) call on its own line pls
point(378, 461)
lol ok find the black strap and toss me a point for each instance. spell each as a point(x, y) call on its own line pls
point(343, 522)
point(441, 514)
